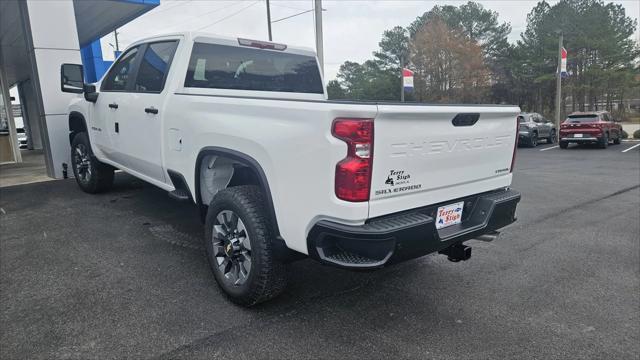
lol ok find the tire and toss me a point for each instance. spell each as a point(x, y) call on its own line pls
point(604, 142)
point(533, 140)
point(263, 277)
point(564, 144)
point(552, 137)
point(91, 175)
point(618, 139)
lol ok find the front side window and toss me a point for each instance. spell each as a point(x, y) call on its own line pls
point(239, 68)
point(155, 66)
point(118, 77)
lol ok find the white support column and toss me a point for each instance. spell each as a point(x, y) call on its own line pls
point(52, 40)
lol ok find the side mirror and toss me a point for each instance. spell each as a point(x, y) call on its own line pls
point(90, 93)
point(71, 78)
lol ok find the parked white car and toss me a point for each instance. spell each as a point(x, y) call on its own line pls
point(244, 130)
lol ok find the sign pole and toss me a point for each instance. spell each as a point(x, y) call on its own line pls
point(559, 84)
point(401, 78)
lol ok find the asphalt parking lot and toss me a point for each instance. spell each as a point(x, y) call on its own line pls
point(124, 275)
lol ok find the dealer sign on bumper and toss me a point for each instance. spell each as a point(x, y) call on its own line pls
point(449, 215)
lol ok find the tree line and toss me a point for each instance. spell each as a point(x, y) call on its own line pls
point(461, 54)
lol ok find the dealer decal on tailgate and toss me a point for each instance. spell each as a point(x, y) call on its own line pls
point(399, 181)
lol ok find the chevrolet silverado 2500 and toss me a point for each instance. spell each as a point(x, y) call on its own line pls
point(243, 129)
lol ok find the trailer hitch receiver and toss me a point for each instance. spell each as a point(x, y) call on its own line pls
point(457, 252)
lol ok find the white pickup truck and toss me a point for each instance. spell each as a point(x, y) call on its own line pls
point(243, 129)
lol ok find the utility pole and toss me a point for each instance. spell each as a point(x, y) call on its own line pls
point(319, 48)
point(269, 20)
point(559, 84)
point(401, 78)
point(115, 34)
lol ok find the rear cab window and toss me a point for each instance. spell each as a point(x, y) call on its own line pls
point(215, 66)
point(582, 118)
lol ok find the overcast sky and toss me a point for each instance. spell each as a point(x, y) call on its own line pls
point(352, 28)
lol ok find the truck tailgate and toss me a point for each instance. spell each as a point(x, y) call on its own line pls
point(422, 156)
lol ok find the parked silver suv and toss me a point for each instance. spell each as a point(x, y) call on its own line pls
point(532, 127)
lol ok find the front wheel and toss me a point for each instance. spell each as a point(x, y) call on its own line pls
point(238, 240)
point(564, 144)
point(533, 140)
point(91, 175)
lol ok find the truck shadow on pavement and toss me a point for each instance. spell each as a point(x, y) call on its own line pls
point(177, 224)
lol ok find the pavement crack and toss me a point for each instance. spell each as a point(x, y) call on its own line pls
point(584, 203)
point(574, 207)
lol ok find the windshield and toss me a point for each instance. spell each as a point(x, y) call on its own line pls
point(576, 119)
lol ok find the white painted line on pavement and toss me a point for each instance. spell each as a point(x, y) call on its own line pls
point(633, 147)
point(549, 148)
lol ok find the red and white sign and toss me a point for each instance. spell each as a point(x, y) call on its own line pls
point(563, 62)
point(407, 79)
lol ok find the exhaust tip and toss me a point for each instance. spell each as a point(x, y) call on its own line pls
point(488, 237)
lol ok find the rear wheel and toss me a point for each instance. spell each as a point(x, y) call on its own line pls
point(564, 144)
point(91, 175)
point(533, 140)
point(604, 141)
point(552, 137)
point(618, 139)
point(238, 240)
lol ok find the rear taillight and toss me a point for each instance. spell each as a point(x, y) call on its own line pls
point(515, 146)
point(353, 173)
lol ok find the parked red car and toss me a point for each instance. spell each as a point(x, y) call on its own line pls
point(590, 127)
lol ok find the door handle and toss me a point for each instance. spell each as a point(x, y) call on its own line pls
point(113, 106)
point(151, 110)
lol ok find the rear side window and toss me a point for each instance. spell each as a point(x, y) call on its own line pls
point(155, 66)
point(230, 67)
point(120, 73)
